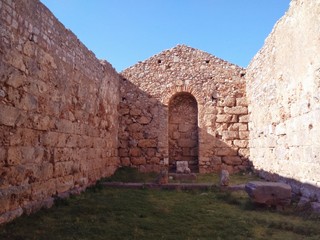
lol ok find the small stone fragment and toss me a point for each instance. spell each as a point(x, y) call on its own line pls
point(224, 178)
point(163, 177)
point(2, 93)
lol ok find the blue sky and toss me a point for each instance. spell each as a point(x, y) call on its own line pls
point(124, 32)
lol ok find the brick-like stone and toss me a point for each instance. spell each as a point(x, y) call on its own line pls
point(238, 127)
point(135, 112)
point(3, 156)
point(225, 151)
point(242, 102)
point(64, 184)
point(135, 152)
point(230, 135)
point(14, 156)
point(244, 152)
point(144, 120)
point(125, 161)
point(241, 143)
point(238, 110)
point(8, 115)
point(138, 160)
point(223, 118)
point(244, 119)
point(148, 143)
point(232, 160)
point(244, 135)
point(228, 102)
point(135, 127)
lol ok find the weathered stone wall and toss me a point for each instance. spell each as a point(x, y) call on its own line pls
point(283, 89)
point(58, 110)
point(218, 87)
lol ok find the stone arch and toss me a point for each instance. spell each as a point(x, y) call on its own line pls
point(172, 91)
point(183, 131)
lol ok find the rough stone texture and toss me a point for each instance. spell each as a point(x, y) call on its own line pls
point(58, 110)
point(283, 89)
point(186, 105)
point(269, 193)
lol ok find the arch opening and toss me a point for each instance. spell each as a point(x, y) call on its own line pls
point(183, 131)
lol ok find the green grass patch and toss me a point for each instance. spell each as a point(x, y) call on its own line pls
point(153, 214)
point(237, 178)
point(103, 213)
point(128, 174)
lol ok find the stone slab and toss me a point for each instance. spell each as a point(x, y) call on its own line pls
point(269, 193)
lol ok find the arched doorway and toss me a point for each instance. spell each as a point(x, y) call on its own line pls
point(183, 131)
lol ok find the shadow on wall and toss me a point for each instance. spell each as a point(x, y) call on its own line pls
point(218, 155)
point(152, 139)
point(141, 133)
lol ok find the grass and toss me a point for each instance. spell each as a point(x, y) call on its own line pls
point(127, 174)
point(102, 213)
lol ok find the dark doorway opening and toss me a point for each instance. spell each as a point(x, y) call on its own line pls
point(183, 131)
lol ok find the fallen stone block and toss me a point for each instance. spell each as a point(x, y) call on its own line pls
point(269, 193)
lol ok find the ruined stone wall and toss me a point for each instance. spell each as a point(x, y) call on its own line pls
point(218, 87)
point(58, 110)
point(283, 89)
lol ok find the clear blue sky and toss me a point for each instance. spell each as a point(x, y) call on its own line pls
point(124, 32)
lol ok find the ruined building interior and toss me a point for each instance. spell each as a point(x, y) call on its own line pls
point(68, 119)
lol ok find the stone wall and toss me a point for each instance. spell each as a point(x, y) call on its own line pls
point(148, 91)
point(283, 89)
point(58, 110)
